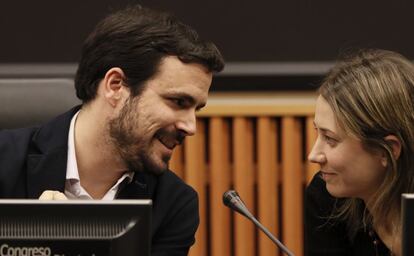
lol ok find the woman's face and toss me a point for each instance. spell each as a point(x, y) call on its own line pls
point(348, 169)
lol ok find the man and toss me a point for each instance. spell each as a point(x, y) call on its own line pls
point(141, 78)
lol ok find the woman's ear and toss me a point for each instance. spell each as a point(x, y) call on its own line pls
point(395, 144)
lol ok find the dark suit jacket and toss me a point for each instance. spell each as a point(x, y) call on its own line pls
point(327, 237)
point(34, 159)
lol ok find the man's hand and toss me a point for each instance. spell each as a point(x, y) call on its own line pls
point(52, 195)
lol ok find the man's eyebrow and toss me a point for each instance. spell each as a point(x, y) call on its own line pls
point(186, 97)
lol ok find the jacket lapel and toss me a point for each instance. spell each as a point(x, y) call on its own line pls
point(46, 172)
point(142, 186)
point(47, 161)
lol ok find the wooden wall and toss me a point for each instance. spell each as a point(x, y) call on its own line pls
point(256, 144)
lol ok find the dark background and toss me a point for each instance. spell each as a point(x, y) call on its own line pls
point(288, 37)
point(245, 31)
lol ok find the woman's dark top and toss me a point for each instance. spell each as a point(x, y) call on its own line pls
point(325, 237)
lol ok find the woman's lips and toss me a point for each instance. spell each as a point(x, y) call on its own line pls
point(327, 175)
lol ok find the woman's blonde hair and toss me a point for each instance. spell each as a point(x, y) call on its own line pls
point(372, 95)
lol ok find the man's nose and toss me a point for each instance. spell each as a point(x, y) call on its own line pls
point(188, 124)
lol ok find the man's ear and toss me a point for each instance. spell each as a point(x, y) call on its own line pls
point(395, 144)
point(113, 86)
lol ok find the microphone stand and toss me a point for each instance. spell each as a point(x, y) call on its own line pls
point(270, 235)
point(232, 200)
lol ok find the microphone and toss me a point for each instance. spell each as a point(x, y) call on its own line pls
point(232, 200)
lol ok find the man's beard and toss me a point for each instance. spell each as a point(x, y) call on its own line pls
point(133, 149)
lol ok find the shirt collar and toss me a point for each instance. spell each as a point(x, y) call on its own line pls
point(72, 172)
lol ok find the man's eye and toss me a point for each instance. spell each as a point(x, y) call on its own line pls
point(179, 102)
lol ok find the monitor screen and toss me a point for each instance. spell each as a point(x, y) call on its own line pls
point(75, 228)
point(407, 224)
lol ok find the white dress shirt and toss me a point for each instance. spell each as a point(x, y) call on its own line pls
point(73, 188)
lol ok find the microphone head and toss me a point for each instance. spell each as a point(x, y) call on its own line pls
point(228, 196)
point(232, 200)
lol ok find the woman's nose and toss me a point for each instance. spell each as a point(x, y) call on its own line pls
point(316, 155)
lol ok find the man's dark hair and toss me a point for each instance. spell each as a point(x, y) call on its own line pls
point(136, 39)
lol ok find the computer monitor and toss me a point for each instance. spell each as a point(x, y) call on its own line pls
point(75, 228)
point(407, 217)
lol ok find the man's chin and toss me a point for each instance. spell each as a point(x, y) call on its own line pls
point(147, 163)
point(156, 170)
point(156, 167)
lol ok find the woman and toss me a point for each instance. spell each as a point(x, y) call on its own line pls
point(364, 118)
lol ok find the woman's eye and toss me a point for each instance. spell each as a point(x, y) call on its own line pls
point(329, 140)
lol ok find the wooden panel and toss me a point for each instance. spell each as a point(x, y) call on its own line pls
point(231, 164)
point(176, 162)
point(256, 104)
point(253, 111)
point(311, 134)
point(196, 177)
point(220, 181)
point(267, 182)
point(244, 184)
point(292, 185)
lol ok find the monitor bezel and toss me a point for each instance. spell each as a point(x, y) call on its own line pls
point(137, 239)
point(407, 222)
